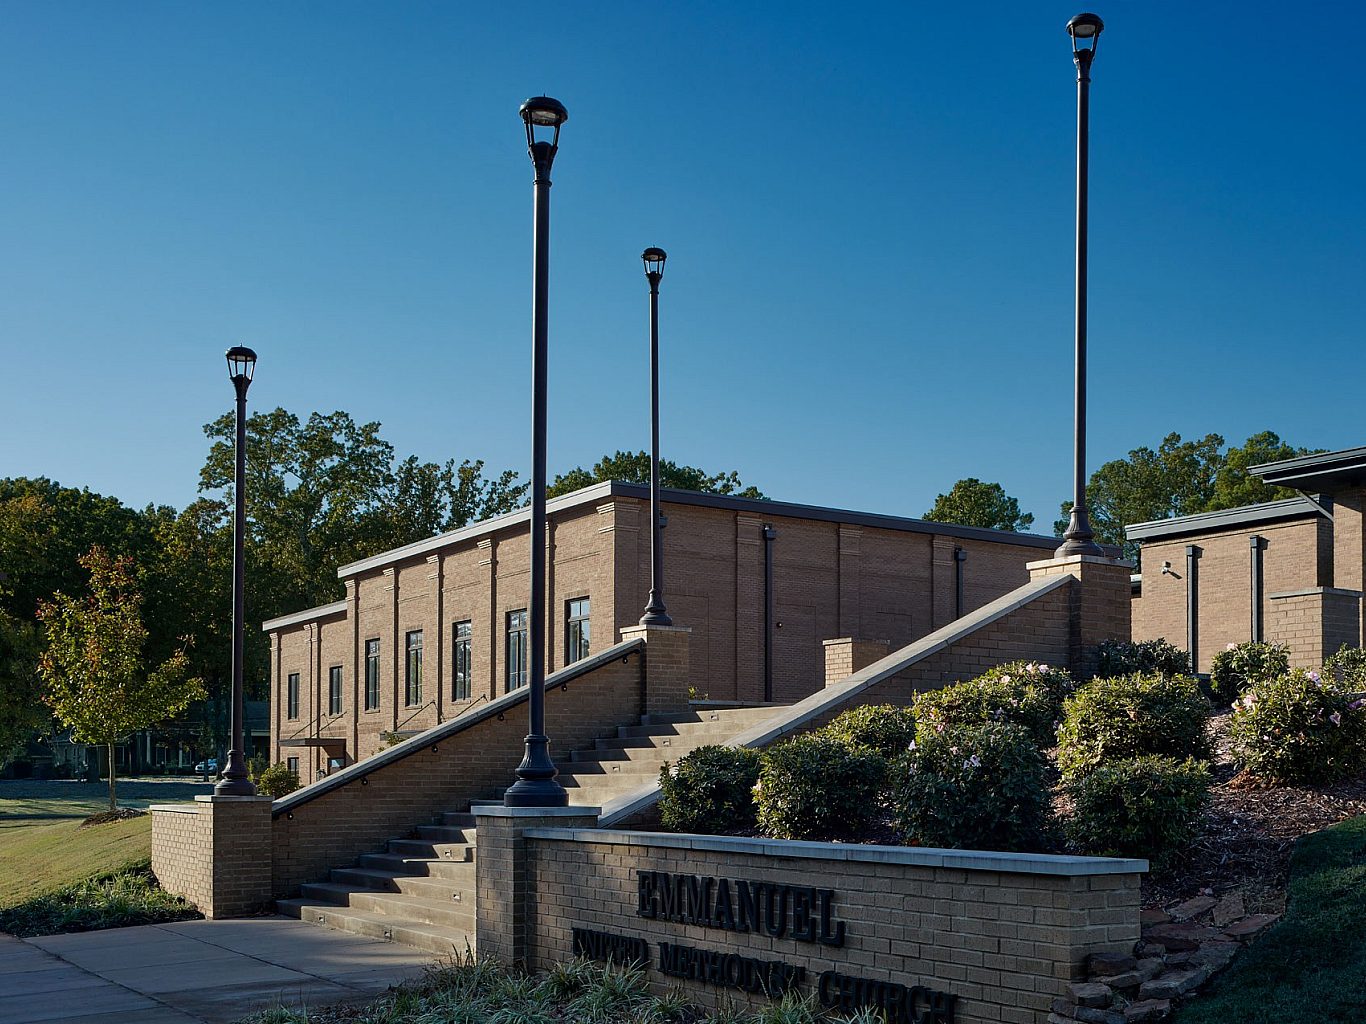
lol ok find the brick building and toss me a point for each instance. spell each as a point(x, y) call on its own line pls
point(1288, 571)
point(428, 630)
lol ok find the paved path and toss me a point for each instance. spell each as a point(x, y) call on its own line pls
point(194, 972)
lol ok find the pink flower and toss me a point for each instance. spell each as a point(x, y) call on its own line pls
point(1357, 704)
point(973, 762)
point(1314, 676)
point(1335, 718)
point(1230, 647)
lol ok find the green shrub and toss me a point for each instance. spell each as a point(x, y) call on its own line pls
point(885, 728)
point(1130, 716)
point(1141, 657)
point(1347, 667)
point(1023, 693)
point(976, 786)
point(130, 896)
point(1238, 666)
point(276, 781)
point(1299, 728)
point(815, 787)
point(1145, 806)
point(709, 790)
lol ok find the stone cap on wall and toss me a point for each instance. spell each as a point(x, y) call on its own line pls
point(911, 856)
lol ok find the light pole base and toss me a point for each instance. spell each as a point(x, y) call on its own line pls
point(1079, 538)
point(536, 785)
point(235, 781)
point(655, 615)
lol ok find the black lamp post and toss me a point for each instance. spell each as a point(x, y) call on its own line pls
point(241, 368)
point(655, 615)
point(536, 785)
point(1085, 29)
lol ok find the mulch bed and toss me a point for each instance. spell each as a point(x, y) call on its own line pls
point(1247, 834)
point(105, 817)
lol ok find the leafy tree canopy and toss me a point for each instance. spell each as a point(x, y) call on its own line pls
point(93, 664)
point(1178, 478)
point(971, 502)
point(634, 468)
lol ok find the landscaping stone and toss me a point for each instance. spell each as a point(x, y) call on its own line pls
point(1151, 916)
point(1054, 1018)
point(1214, 955)
point(1148, 948)
point(1250, 927)
point(1091, 994)
point(1193, 908)
point(1183, 935)
point(1173, 984)
point(1148, 968)
point(1182, 959)
point(1147, 1010)
point(1228, 910)
point(1087, 1015)
point(1110, 963)
point(1063, 1007)
point(1127, 980)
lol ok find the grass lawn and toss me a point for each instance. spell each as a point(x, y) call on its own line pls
point(1311, 966)
point(41, 847)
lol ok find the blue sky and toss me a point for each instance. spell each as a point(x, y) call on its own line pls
point(868, 210)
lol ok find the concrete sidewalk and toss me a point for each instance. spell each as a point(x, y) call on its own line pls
point(194, 972)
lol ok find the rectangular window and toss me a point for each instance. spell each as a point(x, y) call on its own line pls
point(412, 693)
point(293, 765)
point(463, 634)
point(371, 675)
point(293, 695)
point(334, 685)
point(575, 630)
point(516, 650)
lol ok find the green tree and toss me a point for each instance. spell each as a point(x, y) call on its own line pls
point(93, 664)
point(22, 713)
point(634, 468)
point(1234, 486)
point(971, 502)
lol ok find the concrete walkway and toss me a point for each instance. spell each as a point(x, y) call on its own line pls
point(194, 972)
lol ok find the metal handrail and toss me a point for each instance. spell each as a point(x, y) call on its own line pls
point(419, 711)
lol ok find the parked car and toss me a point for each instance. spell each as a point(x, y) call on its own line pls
point(207, 767)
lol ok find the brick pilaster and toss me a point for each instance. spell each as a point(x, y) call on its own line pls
point(505, 890)
point(1098, 604)
point(846, 655)
point(667, 669)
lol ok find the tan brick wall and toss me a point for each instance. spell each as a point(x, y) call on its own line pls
point(845, 655)
point(215, 852)
point(1313, 623)
point(476, 763)
point(1293, 558)
point(1004, 943)
point(668, 678)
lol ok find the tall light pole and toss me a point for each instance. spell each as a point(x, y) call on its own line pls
point(1079, 538)
point(655, 615)
point(536, 785)
point(235, 781)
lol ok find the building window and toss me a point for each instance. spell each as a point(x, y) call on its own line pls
point(463, 634)
point(575, 630)
point(516, 650)
point(371, 675)
point(334, 685)
point(293, 764)
point(412, 693)
point(292, 694)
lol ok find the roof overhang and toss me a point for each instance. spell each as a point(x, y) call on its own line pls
point(1224, 519)
point(1326, 472)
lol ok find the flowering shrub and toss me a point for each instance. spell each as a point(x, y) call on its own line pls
point(709, 790)
point(815, 787)
point(1238, 666)
point(1347, 667)
point(1146, 806)
point(1130, 716)
point(1299, 727)
point(976, 786)
point(885, 728)
point(1023, 693)
point(1142, 657)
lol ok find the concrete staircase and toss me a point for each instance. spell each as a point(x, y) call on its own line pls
point(420, 890)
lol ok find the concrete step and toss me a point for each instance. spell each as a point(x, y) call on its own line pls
point(747, 716)
point(615, 768)
point(454, 835)
point(400, 906)
point(458, 819)
point(442, 941)
point(439, 889)
point(426, 850)
point(425, 867)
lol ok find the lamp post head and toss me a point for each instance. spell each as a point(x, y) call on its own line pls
point(654, 258)
point(1085, 30)
point(241, 364)
point(543, 112)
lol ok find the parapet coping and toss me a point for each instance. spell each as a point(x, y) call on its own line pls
point(472, 716)
point(910, 856)
point(323, 611)
point(793, 717)
point(175, 808)
point(1224, 519)
point(503, 811)
point(1313, 591)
